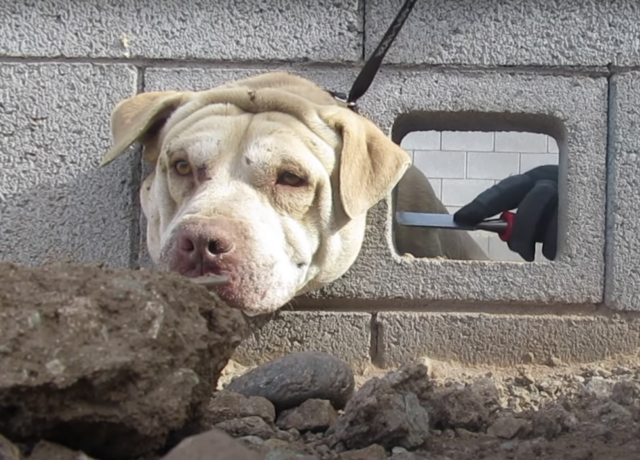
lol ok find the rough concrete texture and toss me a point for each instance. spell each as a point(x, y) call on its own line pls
point(54, 128)
point(509, 33)
point(171, 29)
point(623, 266)
point(198, 78)
point(345, 335)
point(573, 110)
point(472, 338)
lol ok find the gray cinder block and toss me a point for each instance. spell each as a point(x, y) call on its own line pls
point(345, 335)
point(198, 78)
point(54, 202)
point(573, 110)
point(623, 233)
point(173, 29)
point(503, 339)
point(506, 33)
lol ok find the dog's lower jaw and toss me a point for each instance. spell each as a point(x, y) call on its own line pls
point(243, 292)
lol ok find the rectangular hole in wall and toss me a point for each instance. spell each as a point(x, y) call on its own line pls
point(461, 164)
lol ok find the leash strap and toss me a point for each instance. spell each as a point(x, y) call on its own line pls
point(368, 73)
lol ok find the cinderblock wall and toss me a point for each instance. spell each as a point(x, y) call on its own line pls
point(566, 70)
point(460, 165)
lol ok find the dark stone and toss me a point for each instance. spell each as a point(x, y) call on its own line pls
point(292, 379)
point(247, 426)
point(227, 405)
point(472, 407)
point(312, 415)
point(373, 452)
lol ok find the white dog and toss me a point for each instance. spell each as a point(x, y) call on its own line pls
point(268, 180)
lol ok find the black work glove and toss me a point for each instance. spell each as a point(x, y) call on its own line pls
point(535, 194)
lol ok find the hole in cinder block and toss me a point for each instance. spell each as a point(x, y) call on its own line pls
point(461, 155)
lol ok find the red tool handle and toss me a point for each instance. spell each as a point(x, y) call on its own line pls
point(509, 218)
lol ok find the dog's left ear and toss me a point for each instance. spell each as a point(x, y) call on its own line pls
point(371, 164)
point(138, 119)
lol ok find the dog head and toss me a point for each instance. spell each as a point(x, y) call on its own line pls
point(266, 180)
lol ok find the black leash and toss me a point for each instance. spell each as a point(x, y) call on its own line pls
point(371, 67)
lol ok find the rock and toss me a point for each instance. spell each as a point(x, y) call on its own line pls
point(227, 405)
point(411, 378)
point(290, 435)
point(292, 379)
point(247, 426)
point(611, 414)
point(276, 449)
point(8, 451)
point(312, 415)
point(626, 392)
point(284, 454)
point(49, 451)
point(373, 452)
point(383, 412)
point(599, 386)
point(471, 407)
point(553, 421)
point(275, 444)
point(91, 355)
point(508, 427)
point(408, 456)
point(250, 441)
point(211, 445)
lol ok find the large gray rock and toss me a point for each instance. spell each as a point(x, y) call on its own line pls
point(109, 362)
point(388, 411)
point(292, 379)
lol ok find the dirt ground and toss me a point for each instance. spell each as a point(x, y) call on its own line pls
point(558, 411)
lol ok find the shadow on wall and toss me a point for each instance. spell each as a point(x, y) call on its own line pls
point(462, 164)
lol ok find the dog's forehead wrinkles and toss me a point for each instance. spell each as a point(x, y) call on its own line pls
point(279, 135)
point(207, 138)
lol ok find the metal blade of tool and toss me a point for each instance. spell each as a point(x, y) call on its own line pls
point(421, 219)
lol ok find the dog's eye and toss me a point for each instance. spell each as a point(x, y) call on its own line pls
point(290, 179)
point(182, 167)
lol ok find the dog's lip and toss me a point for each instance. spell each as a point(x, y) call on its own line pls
point(211, 280)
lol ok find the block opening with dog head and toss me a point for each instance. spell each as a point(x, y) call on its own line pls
point(460, 163)
point(378, 274)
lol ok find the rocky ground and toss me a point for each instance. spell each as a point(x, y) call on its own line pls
point(109, 364)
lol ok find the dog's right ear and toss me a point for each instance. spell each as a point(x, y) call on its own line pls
point(138, 118)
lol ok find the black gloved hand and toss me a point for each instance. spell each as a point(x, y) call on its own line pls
point(535, 194)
